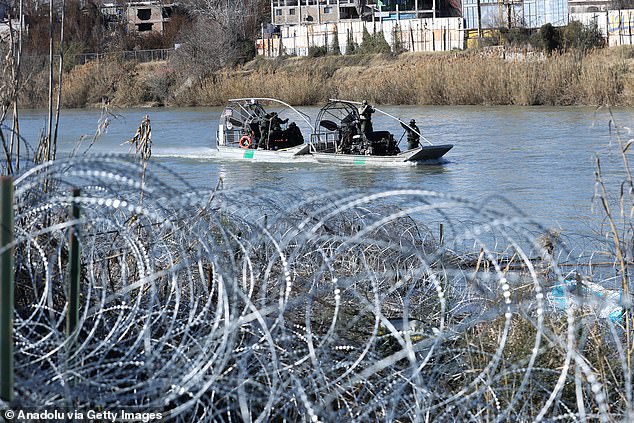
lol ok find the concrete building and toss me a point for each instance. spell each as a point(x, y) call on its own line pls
point(143, 16)
point(148, 16)
point(297, 12)
point(8, 23)
point(417, 25)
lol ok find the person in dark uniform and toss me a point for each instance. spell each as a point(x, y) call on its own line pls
point(265, 125)
point(365, 117)
point(413, 137)
point(294, 133)
point(276, 122)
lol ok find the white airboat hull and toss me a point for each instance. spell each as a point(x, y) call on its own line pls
point(421, 154)
point(243, 121)
point(261, 155)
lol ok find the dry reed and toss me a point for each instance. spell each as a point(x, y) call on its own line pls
point(474, 78)
point(566, 79)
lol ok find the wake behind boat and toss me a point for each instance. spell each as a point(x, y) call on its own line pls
point(248, 130)
point(344, 134)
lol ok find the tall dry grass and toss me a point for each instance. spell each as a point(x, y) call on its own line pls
point(566, 79)
point(121, 83)
point(599, 78)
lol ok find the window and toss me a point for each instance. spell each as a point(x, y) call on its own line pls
point(291, 11)
point(278, 12)
point(327, 9)
point(144, 14)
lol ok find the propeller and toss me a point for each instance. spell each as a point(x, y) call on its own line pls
point(235, 122)
point(329, 125)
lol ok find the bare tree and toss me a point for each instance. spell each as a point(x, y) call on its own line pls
point(223, 33)
point(205, 47)
point(10, 51)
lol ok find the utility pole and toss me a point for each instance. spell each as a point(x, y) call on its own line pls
point(508, 11)
point(479, 14)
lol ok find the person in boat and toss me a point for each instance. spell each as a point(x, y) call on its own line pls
point(265, 126)
point(412, 131)
point(349, 128)
point(276, 122)
point(365, 117)
point(294, 133)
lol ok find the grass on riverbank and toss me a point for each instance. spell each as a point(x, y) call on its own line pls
point(471, 78)
point(603, 77)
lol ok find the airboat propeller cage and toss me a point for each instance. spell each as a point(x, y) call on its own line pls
point(334, 100)
point(330, 119)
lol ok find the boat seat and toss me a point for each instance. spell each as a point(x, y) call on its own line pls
point(378, 136)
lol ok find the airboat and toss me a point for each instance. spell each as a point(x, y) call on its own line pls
point(338, 138)
point(260, 129)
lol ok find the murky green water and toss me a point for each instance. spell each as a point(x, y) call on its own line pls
point(541, 159)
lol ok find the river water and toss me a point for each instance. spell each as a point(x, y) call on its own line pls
point(542, 159)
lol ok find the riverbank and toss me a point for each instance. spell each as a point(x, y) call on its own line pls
point(268, 298)
point(494, 77)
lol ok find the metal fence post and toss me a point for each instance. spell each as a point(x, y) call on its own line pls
point(72, 317)
point(7, 375)
point(441, 238)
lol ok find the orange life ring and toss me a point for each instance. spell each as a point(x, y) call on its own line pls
point(245, 141)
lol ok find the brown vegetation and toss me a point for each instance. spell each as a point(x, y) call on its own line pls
point(465, 78)
point(119, 82)
point(599, 78)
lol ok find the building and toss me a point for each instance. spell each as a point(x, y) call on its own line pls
point(589, 6)
point(148, 16)
point(7, 23)
point(145, 16)
point(415, 25)
point(514, 13)
point(288, 12)
point(417, 35)
point(297, 12)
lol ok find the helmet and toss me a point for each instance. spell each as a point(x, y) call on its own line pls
point(411, 122)
point(365, 102)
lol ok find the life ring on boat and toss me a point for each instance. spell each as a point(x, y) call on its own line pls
point(245, 141)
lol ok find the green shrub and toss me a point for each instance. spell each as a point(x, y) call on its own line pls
point(372, 44)
point(334, 48)
point(315, 51)
point(547, 38)
point(397, 42)
point(351, 46)
point(516, 36)
point(573, 37)
point(577, 36)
